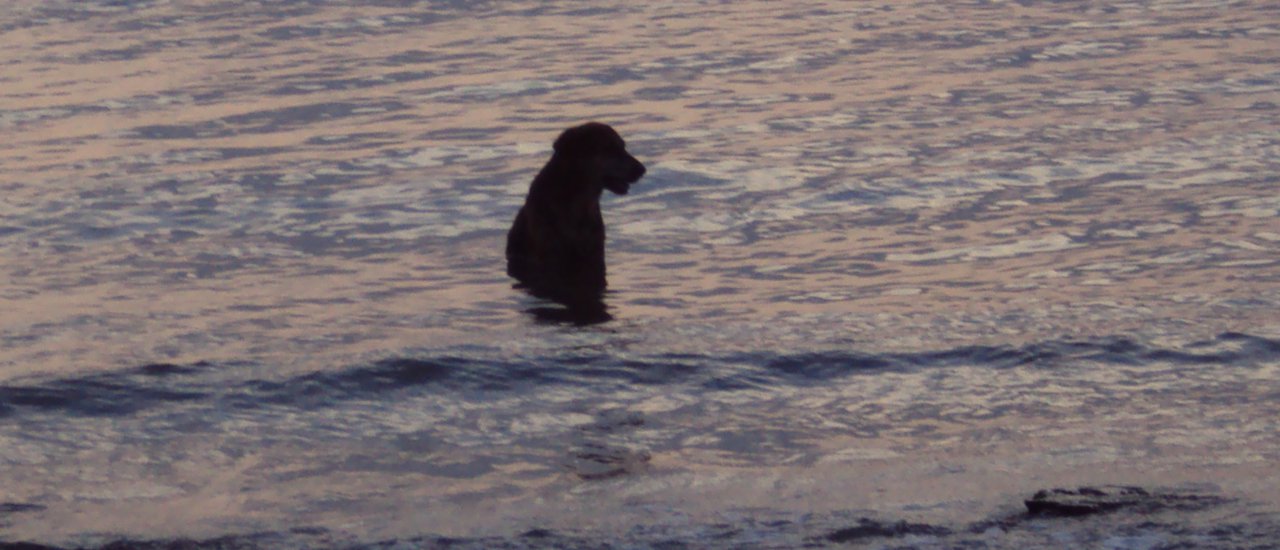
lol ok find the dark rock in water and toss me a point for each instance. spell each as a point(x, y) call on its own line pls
point(869, 528)
point(1086, 501)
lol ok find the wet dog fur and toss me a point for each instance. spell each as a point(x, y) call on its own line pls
point(555, 247)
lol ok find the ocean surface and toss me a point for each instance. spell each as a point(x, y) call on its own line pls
point(895, 267)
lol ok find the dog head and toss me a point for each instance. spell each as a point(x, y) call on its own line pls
point(602, 154)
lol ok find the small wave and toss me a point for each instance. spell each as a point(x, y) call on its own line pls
point(98, 395)
point(130, 391)
point(812, 530)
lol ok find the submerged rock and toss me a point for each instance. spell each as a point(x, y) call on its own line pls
point(1084, 501)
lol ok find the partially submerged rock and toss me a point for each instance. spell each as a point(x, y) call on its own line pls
point(1084, 501)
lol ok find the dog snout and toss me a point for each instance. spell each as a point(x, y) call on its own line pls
point(637, 170)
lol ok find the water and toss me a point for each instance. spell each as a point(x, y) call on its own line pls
point(894, 268)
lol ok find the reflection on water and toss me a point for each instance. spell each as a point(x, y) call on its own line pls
point(577, 314)
point(1042, 235)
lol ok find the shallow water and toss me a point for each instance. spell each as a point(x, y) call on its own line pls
point(892, 262)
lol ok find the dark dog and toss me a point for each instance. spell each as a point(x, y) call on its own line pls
point(556, 246)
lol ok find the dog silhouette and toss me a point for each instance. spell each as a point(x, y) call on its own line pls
point(555, 247)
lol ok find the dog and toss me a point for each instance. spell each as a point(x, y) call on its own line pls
point(555, 247)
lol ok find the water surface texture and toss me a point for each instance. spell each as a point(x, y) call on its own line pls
point(895, 267)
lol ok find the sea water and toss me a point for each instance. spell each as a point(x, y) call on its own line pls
point(895, 267)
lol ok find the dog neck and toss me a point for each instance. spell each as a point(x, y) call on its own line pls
point(566, 189)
